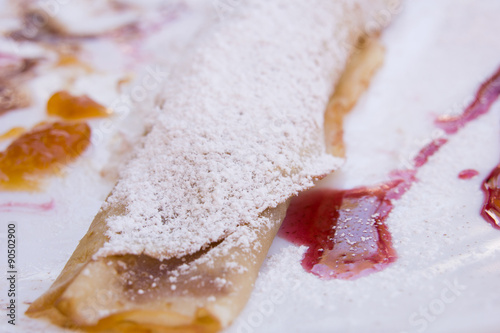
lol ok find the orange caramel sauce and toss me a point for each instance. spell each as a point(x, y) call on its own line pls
point(68, 60)
point(12, 133)
point(66, 106)
point(41, 151)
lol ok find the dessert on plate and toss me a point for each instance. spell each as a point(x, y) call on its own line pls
point(179, 241)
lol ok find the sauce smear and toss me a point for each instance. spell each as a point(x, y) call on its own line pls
point(427, 151)
point(41, 151)
point(69, 107)
point(345, 230)
point(485, 97)
point(27, 207)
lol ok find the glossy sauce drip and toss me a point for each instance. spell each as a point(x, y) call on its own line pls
point(486, 96)
point(43, 150)
point(66, 106)
point(491, 207)
point(345, 230)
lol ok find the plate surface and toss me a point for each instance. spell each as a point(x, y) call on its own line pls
point(445, 280)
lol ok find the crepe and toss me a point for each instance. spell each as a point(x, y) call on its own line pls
point(134, 293)
point(179, 242)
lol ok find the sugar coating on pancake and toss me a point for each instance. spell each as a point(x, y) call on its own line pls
point(240, 129)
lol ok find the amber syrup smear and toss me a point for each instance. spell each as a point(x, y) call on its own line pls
point(66, 106)
point(12, 133)
point(345, 230)
point(48, 147)
point(41, 151)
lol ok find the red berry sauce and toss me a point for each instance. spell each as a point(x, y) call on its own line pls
point(428, 150)
point(345, 230)
point(491, 207)
point(485, 97)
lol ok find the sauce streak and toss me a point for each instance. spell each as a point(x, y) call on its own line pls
point(345, 230)
point(427, 151)
point(491, 189)
point(485, 97)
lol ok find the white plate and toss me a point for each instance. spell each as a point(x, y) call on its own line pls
point(445, 280)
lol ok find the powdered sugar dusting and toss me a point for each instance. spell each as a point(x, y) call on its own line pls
point(241, 129)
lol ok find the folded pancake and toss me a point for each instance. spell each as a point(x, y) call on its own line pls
point(178, 243)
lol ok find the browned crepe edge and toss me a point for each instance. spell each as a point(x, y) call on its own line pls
point(61, 303)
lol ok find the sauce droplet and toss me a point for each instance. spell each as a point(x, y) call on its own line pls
point(69, 107)
point(12, 133)
point(41, 151)
point(468, 174)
